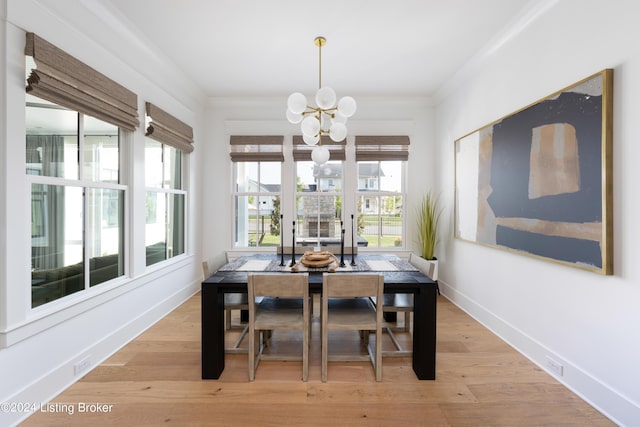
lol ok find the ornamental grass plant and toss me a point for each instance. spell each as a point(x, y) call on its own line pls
point(428, 218)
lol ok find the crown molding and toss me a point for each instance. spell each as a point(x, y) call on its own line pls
point(532, 12)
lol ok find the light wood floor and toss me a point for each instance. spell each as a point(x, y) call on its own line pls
point(481, 381)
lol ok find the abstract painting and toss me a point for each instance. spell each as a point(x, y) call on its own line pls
point(539, 181)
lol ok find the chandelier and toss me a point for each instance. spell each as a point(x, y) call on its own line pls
point(325, 119)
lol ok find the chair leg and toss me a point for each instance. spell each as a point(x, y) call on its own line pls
point(378, 354)
point(252, 354)
point(407, 321)
point(325, 350)
point(227, 319)
point(305, 354)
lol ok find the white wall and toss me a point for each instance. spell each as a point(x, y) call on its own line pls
point(39, 347)
point(586, 321)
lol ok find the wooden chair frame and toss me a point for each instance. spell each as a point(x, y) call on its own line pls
point(281, 295)
point(346, 306)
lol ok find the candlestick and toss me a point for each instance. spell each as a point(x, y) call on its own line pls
point(353, 232)
point(281, 243)
point(293, 245)
point(341, 241)
point(342, 264)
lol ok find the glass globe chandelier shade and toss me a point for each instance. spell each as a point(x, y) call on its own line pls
point(320, 155)
point(347, 106)
point(311, 140)
point(297, 103)
point(338, 132)
point(310, 126)
point(326, 98)
point(325, 119)
point(294, 118)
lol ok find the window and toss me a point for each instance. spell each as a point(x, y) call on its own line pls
point(257, 203)
point(257, 186)
point(380, 201)
point(375, 191)
point(74, 118)
point(319, 192)
point(318, 203)
point(77, 213)
point(165, 202)
point(168, 142)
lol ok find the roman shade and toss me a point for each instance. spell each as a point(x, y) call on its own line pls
point(378, 148)
point(165, 128)
point(60, 78)
point(255, 148)
point(302, 151)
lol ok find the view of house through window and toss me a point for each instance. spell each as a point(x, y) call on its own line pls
point(319, 200)
point(380, 203)
point(318, 203)
point(256, 199)
point(77, 213)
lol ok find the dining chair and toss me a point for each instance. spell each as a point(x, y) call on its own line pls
point(277, 301)
point(403, 303)
point(232, 301)
point(346, 306)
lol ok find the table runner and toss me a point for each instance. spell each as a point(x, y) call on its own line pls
point(364, 263)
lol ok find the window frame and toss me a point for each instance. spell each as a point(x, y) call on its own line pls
point(85, 185)
point(235, 194)
point(379, 194)
point(317, 193)
point(349, 194)
point(167, 190)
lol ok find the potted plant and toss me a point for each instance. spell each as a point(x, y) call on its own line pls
point(428, 218)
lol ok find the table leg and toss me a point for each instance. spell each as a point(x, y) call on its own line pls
point(212, 313)
point(424, 332)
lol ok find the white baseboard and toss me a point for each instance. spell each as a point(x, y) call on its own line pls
point(614, 405)
point(61, 377)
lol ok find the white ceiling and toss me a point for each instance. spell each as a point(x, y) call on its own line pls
point(265, 48)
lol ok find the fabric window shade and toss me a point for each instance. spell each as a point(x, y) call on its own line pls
point(166, 129)
point(253, 148)
point(379, 148)
point(302, 151)
point(62, 79)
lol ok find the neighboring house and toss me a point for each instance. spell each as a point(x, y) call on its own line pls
point(266, 202)
point(329, 178)
point(369, 175)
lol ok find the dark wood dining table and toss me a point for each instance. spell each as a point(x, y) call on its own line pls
point(399, 277)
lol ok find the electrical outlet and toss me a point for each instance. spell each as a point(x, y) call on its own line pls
point(554, 366)
point(82, 365)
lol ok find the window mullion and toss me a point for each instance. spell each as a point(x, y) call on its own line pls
point(81, 176)
point(86, 246)
point(167, 226)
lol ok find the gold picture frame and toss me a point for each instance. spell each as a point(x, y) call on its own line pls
point(539, 181)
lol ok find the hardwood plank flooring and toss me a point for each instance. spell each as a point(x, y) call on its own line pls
point(481, 381)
